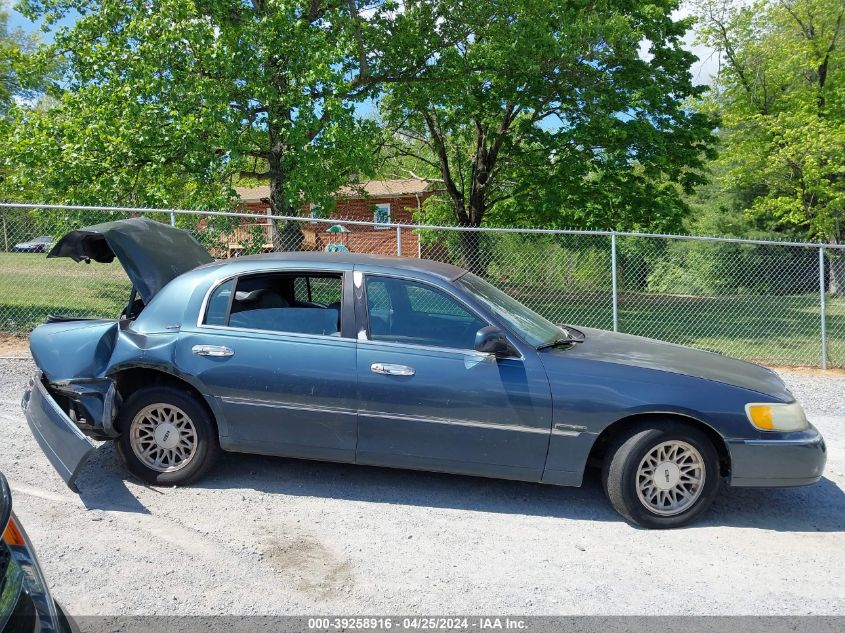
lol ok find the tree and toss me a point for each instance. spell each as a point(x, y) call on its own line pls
point(15, 86)
point(781, 95)
point(547, 111)
point(161, 102)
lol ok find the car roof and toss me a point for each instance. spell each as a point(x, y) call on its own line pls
point(316, 258)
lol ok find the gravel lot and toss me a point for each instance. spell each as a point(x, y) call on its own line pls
point(279, 536)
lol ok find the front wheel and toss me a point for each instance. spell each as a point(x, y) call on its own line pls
point(168, 437)
point(662, 475)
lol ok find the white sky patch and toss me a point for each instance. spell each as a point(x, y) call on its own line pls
point(706, 67)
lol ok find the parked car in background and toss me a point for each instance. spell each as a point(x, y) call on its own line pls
point(25, 600)
point(40, 244)
point(394, 362)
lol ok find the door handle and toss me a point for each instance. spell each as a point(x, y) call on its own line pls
point(392, 370)
point(212, 350)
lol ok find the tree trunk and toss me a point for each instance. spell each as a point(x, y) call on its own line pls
point(290, 237)
point(471, 256)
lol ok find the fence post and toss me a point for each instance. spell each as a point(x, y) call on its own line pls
point(613, 281)
point(823, 307)
point(399, 241)
point(172, 219)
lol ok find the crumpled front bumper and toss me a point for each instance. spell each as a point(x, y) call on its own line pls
point(793, 459)
point(63, 443)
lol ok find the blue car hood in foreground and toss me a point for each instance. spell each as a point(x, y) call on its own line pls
point(636, 351)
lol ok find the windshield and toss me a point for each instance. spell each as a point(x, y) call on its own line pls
point(533, 328)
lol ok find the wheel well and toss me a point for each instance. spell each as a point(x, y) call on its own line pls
point(128, 381)
point(604, 438)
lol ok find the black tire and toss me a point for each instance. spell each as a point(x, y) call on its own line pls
point(622, 461)
point(207, 444)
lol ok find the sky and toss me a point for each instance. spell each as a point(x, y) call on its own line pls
point(702, 71)
point(707, 66)
point(16, 20)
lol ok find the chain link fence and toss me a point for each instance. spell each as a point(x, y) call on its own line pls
point(769, 302)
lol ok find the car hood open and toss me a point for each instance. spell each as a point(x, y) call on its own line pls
point(150, 252)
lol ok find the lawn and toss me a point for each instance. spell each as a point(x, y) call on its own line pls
point(777, 330)
point(32, 287)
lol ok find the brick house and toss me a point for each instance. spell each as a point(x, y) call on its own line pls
point(372, 201)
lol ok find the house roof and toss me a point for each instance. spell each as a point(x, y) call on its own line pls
point(367, 189)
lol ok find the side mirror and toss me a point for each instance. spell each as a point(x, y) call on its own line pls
point(491, 340)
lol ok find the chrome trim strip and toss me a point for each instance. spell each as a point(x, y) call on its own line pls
point(229, 328)
point(431, 348)
point(803, 442)
point(560, 426)
point(454, 422)
point(384, 415)
point(289, 405)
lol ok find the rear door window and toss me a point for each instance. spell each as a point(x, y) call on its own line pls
point(298, 303)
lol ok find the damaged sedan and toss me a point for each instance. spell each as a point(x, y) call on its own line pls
point(394, 362)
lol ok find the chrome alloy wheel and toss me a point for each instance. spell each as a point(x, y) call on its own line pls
point(163, 437)
point(670, 478)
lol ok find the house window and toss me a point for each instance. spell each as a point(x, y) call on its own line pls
point(381, 215)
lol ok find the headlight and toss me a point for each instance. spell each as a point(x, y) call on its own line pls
point(777, 417)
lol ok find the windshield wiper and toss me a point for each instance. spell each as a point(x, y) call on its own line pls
point(564, 340)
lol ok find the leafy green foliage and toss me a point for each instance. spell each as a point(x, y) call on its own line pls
point(163, 103)
point(782, 102)
point(546, 112)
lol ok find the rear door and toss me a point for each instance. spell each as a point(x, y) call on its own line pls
point(428, 400)
point(277, 355)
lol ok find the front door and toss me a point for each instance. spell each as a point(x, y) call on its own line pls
point(428, 400)
point(272, 353)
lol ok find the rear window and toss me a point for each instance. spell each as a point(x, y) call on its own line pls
point(297, 303)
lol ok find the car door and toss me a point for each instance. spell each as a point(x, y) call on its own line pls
point(278, 359)
point(428, 400)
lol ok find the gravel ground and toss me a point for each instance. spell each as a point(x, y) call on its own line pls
point(280, 536)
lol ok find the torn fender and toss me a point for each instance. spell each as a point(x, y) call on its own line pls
point(92, 404)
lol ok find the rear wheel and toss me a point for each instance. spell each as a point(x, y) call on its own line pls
point(168, 437)
point(662, 475)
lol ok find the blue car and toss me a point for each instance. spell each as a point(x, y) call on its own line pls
point(394, 362)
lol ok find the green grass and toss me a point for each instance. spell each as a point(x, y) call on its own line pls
point(777, 330)
point(33, 287)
